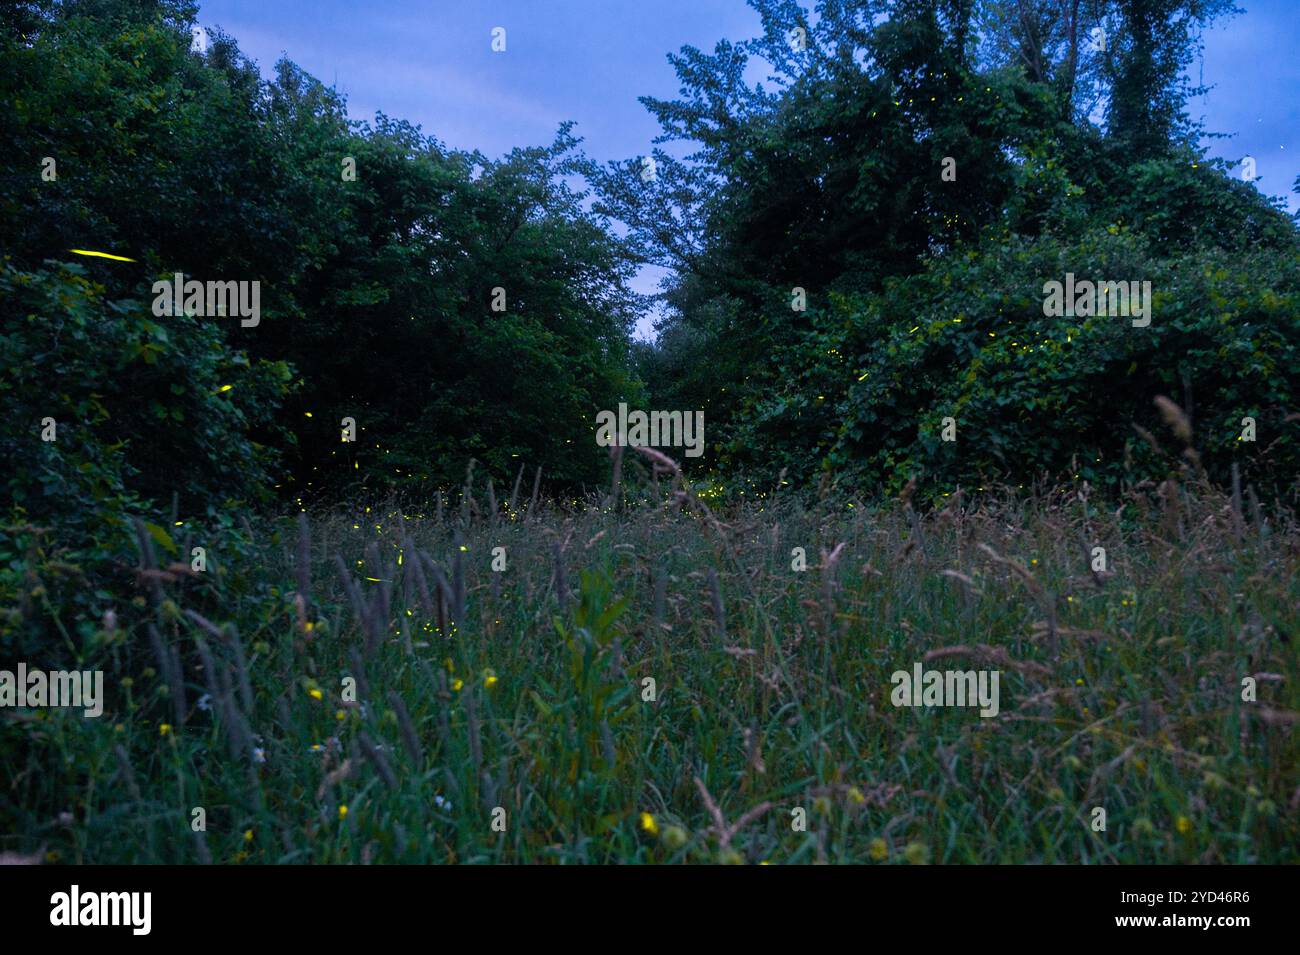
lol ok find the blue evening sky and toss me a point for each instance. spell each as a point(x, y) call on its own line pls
point(431, 63)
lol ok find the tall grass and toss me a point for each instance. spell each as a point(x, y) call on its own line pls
point(523, 696)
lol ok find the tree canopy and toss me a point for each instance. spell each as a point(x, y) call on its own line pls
point(1064, 131)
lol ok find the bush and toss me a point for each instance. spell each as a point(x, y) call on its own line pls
point(137, 410)
point(967, 338)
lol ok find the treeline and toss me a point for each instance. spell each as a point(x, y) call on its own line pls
point(858, 249)
point(452, 305)
point(915, 172)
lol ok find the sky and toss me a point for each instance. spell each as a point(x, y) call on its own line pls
point(432, 63)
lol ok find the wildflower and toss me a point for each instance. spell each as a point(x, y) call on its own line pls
point(1183, 825)
point(248, 835)
point(1143, 826)
point(457, 683)
point(879, 850)
point(856, 795)
point(315, 694)
point(340, 715)
point(315, 748)
point(441, 803)
point(164, 729)
point(343, 812)
point(259, 755)
point(648, 824)
point(205, 702)
point(489, 678)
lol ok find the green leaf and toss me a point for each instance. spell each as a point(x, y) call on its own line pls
point(161, 536)
point(540, 704)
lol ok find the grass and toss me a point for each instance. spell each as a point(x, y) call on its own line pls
point(507, 716)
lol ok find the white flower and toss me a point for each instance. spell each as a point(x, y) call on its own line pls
point(259, 755)
point(205, 702)
point(441, 803)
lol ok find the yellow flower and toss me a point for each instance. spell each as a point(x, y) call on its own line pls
point(648, 824)
point(164, 729)
point(879, 851)
point(457, 683)
point(1183, 825)
point(343, 812)
point(248, 835)
point(856, 794)
point(315, 694)
point(489, 678)
point(340, 715)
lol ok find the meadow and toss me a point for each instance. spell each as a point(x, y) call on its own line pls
point(647, 679)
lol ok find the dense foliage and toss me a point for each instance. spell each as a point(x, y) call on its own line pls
point(377, 290)
point(925, 292)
